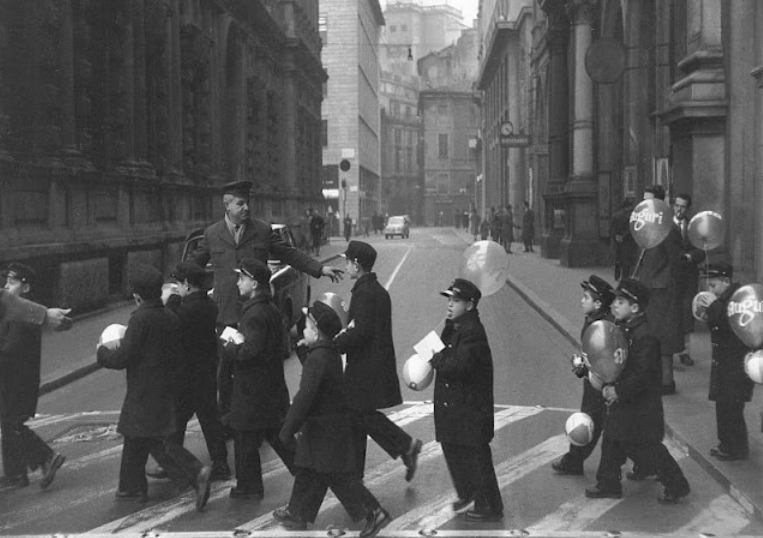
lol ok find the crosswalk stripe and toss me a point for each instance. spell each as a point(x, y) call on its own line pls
point(723, 517)
point(170, 509)
point(41, 421)
point(437, 512)
point(386, 533)
point(382, 472)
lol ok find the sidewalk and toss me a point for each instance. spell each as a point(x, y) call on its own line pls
point(554, 291)
point(70, 355)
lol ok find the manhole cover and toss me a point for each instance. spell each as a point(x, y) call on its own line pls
point(88, 432)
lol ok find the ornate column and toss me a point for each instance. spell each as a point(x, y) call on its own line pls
point(579, 246)
point(558, 121)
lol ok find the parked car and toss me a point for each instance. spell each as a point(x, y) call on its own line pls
point(397, 225)
point(290, 287)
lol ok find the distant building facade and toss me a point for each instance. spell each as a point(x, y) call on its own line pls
point(121, 119)
point(350, 113)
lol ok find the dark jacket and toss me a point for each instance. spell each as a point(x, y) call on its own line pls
point(638, 415)
point(463, 390)
point(150, 351)
point(198, 340)
point(258, 241)
point(260, 396)
point(20, 350)
point(528, 225)
point(728, 380)
point(320, 413)
point(14, 308)
point(370, 376)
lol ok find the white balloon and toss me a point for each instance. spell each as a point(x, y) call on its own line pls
point(579, 429)
point(417, 373)
point(753, 366)
point(112, 336)
point(486, 265)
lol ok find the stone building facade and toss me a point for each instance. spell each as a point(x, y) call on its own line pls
point(120, 120)
point(675, 100)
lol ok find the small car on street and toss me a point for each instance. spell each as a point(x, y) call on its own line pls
point(397, 225)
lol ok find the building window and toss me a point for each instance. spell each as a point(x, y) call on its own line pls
point(325, 133)
point(443, 145)
point(323, 28)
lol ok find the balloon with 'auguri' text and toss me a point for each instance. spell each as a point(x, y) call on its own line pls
point(651, 222)
point(745, 313)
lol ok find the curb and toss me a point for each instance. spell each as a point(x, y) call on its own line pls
point(83, 371)
point(559, 323)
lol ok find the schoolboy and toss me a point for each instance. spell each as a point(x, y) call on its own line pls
point(260, 397)
point(463, 404)
point(595, 302)
point(371, 381)
point(197, 381)
point(730, 387)
point(325, 455)
point(20, 353)
point(635, 425)
point(150, 352)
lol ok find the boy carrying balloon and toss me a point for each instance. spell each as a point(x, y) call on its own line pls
point(730, 387)
point(595, 302)
point(463, 404)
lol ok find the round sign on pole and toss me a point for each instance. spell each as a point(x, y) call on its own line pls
point(344, 165)
point(605, 60)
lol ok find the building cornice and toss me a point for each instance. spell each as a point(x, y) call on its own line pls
point(499, 35)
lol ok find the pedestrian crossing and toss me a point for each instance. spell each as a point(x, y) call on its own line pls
point(428, 514)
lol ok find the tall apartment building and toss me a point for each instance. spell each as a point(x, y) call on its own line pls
point(350, 113)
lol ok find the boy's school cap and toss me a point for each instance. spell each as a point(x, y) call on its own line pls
point(600, 287)
point(720, 269)
point(325, 318)
point(633, 290)
point(190, 271)
point(254, 269)
point(463, 289)
point(238, 188)
point(361, 252)
point(21, 272)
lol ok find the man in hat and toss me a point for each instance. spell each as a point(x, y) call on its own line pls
point(371, 379)
point(230, 240)
point(20, 352)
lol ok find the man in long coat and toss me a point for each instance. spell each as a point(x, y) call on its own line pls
point(528, 227)
point(371, 380)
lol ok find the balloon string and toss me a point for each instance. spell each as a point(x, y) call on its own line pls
point(707, 262)
point(638, 263)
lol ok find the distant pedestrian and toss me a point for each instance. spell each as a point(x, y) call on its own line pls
point(595, 302)
point(507, 228)
point(260, 397)
point(463, 404)
point(496, 229)
point(730, 387)
point(528, 227)
point(635, 423)
point(347, 228)
point(484, 228)
point(624, 245)
point(317, 226)
point(474, 224)
point(319, 414)
point(20, 354)
point(150, 353)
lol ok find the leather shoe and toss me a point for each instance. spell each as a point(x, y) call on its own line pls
point(474, 515)
point(600, 492)
point(14, 481)
point(289, 520)
point(672, 496)
point(242, 493)
point(562, 466)
point(202, 488)
point(50, 468)
point(685, 359)
point(139, 497)
point(459, 504)
point(720, 454)
point(411, 459)
point(375, 521)
point(637, 475)
point(220, 472)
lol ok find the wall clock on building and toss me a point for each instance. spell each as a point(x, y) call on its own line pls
point(507, 129)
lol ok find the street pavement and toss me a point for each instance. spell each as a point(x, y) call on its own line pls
point(554, 291)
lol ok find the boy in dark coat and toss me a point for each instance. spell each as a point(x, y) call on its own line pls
point(635, 424)
point(596, 300)
point(260, 398)
point(730, 387)
point(197, 380)
point(150, 352)
point(463, 404)
point(325, 456)
point(371, 381)
point(20, 352)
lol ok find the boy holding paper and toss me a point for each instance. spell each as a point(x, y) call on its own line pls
point(463, 404)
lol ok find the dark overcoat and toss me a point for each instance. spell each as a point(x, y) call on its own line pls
point(320, 413)
point(371, 380)
point(687, 276)
point(637, 415)
point(14, 308)
point(463, 390)
point(257, 241)
point(150, 352)
point(728, 380)
point(20, 349)
point(260, 397)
